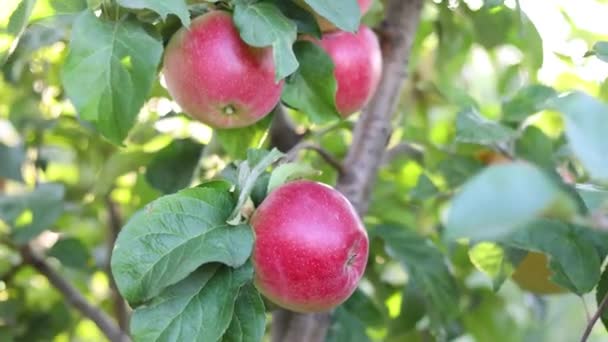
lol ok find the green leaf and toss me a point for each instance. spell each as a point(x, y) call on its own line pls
point(173, 167)
point(527, 101)
point(312, 89)
point(262, 24)
point(363, 308)
point(71, 252)
point(249, 320)
point(12, 158)
point(425, 188)
point(600, 293)
point(594, 197)
point(248, 174)
point(236, 141)
point(471, 127)
point(173, 236)
point(109, 72)
point(535, 147)
point(117, 165)
point(19, 18)
point(31, 213)
point(305, 21)
point(288, 172)
point(600, 49)
point(501, 199)
point(492, 259)
point(485, 22)
point(162, 7)
point(413, 309)
point(574, 258)
point(425, 266)
point(198, 308)
point(586, 126)
point(345, 14)
point(346, 327)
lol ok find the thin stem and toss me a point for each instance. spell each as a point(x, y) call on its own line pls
point(121, 310)
point(73, 296)
point(329, 159)
point(600, 309)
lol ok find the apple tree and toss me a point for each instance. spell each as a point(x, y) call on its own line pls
point(303, 170)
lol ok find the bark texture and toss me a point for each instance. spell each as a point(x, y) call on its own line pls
point(365, 155)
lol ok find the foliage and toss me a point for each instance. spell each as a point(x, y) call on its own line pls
point(508, 130)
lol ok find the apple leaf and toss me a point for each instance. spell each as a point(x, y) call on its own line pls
point(600, 50)
point(162, 7)
point(109, 72)
point(312, 89)
point(236, 141)
point(12, 159)
point(600, 293)
point(345, 14)
point(198, 308)
point(262, 24)
point(425, 265)
point(586, 126)
point(172, 168)
point(346, 327)
point(501, 199)
point(528, 100)
point(249, 320)
point(30, 213)
point(305, 21)
point(471, 127)
point(19, 18)
point(287, 172)
point(363, 307)
point(493, 260)
point(173, 236)
point(574, 258)
point(248, 173)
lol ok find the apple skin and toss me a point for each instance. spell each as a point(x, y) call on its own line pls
point(358, 67)
point(310, 247)
point(216, 77)
point(364, 5)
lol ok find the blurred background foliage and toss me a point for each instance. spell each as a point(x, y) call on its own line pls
point(486, 58)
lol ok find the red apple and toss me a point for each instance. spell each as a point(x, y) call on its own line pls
point(310, 247)
point(216, 77)
point(358, 66)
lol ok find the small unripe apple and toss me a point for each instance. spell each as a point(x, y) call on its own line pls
point(216, 77)
point(310, 247)
point(358, 67)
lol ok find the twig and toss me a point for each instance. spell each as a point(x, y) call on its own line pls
point(600, 309)
point(121, 310)
point(74, 297)
point(409, 150)
point(331, 160)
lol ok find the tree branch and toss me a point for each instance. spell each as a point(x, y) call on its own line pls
point(329, 159)
point(366, 153)
point(73, 296)
point(600, 309)
point(373, 129)
point(121, 310)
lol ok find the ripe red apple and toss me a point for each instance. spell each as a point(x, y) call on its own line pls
point(310, 247)
point(216, 77)
point(358, 66)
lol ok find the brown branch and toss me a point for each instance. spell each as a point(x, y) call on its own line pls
point(74, 297)
point(373, 129)
point(329, 159)
point(600, 309)
point(366, 153)
point(121, 310)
